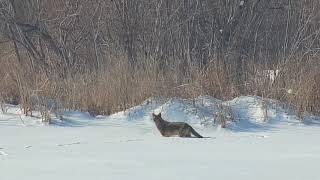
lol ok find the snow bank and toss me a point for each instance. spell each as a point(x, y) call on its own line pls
point(263, 140)
point(245, 113)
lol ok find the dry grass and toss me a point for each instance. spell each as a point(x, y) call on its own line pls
point(118, 86)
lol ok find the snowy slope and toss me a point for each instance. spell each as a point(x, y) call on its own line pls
point(265, 140)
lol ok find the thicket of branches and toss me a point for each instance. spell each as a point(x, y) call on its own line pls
point(106, 55)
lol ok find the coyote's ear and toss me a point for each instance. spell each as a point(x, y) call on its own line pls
point(159, 114)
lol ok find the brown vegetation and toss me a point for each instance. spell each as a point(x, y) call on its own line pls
point(105, 56)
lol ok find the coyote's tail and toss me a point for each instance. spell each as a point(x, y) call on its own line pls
point(194, 132)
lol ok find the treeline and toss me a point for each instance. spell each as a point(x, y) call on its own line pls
point(107, 55)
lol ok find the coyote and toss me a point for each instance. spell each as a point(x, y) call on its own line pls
point(168, 129)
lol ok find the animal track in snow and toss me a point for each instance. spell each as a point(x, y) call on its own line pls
point(2, 153)
point(68, 144)
point(126, 140)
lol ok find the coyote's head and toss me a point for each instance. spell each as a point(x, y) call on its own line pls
point(156, 117)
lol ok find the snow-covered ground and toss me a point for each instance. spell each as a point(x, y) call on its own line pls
point(264, 140)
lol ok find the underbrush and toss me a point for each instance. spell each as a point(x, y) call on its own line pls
point(118, 86)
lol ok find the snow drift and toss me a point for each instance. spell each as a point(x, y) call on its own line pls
point(245, 113)
point(263, 140)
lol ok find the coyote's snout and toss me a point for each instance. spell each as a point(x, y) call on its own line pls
point(168, 129)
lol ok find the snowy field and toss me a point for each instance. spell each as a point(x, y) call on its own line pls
point(264, 141)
